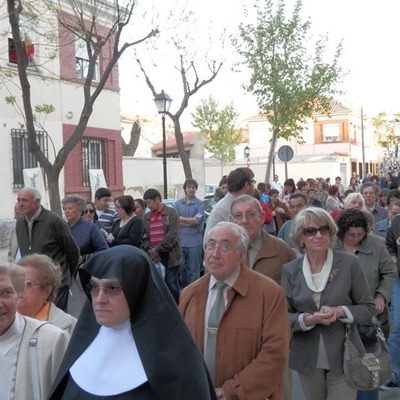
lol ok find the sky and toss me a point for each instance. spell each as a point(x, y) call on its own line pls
point(369, 31)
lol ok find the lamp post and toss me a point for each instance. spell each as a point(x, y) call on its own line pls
point(163, 103)
point(246, 151)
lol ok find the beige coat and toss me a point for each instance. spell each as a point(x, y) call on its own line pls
point(51, 345)
point(61, 319)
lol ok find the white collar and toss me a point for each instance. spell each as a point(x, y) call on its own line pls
point(230, 281)
point(319, 286)
point(111, 364)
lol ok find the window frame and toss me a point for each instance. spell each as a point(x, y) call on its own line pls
point(82, 60)
point(28, 40)
point(332, 138)
point(92, 159)
point(21, 157)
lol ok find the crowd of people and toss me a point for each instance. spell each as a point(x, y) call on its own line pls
point(133, 299)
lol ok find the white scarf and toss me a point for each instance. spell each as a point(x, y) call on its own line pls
point(111, 364)
point(318, 285)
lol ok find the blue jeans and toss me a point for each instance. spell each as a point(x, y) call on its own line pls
point(172, 282)
point(368, 394)
point(192, 258)
point(394, 337)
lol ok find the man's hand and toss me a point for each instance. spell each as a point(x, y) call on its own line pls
point(110, 238)
point(153, 253)
point(379, 305)
point(220, 394)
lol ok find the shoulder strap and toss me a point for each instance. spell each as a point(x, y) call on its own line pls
point(34, 362)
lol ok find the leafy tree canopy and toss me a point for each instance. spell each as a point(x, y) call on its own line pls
point(217, 126)
point(289, 78)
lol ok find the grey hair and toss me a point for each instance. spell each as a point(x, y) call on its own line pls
point(77, 199)
point(16, 274)
point(34, 191)
point(308, 215)
point(245, 198)
point(243, 237)
point(352, 197)
point(36, 194)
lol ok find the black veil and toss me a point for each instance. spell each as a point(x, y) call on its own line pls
point(172, 362)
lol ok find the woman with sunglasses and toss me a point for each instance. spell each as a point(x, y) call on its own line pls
point(325, 290)
point(354, 237)
point(91, 216)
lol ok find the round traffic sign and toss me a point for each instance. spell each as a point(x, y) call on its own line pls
point(285, 153)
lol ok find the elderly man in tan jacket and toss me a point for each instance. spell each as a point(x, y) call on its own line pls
point(245, 342)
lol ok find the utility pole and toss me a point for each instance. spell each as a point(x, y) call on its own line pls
point(364, 169)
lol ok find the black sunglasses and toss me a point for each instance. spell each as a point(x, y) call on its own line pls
point(89, 211)
point(311, 231)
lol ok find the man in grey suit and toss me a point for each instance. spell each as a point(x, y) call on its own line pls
point(381, 228)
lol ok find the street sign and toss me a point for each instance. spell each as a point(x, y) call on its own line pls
point(285, 153)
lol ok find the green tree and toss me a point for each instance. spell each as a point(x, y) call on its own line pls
point(101, 25)
point(385, 126)
point(289, 79)
point(217, 126)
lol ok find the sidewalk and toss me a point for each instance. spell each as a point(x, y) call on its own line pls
point(393, 394)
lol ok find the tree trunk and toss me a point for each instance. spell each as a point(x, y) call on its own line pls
point(130, 148)
point(181, 148)
point(52, 176)
point(274, 137)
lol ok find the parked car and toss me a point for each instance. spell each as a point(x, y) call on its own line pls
point(169, 202)
point(209, 190)
point(208, 203)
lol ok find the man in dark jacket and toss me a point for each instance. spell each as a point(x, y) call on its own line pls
point(44, 232)
point(393, 246)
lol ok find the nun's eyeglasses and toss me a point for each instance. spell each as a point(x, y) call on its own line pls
point(108, 290)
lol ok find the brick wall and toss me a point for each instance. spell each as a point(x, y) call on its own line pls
point(113, 153)
point(67, 53)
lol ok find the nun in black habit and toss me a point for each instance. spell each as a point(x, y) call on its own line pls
point(130, 342)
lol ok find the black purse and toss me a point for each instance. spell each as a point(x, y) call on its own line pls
point(365, 371)
point(368, 332)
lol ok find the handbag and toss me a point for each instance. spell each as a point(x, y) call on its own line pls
point(365, 371)
point(368, 332)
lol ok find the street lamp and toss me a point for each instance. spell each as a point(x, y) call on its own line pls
point(247, 155)
point(163, 103)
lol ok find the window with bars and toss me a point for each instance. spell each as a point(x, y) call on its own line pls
point(93, 157)
point(21, 156)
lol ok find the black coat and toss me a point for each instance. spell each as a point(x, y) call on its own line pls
point(174, 367)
